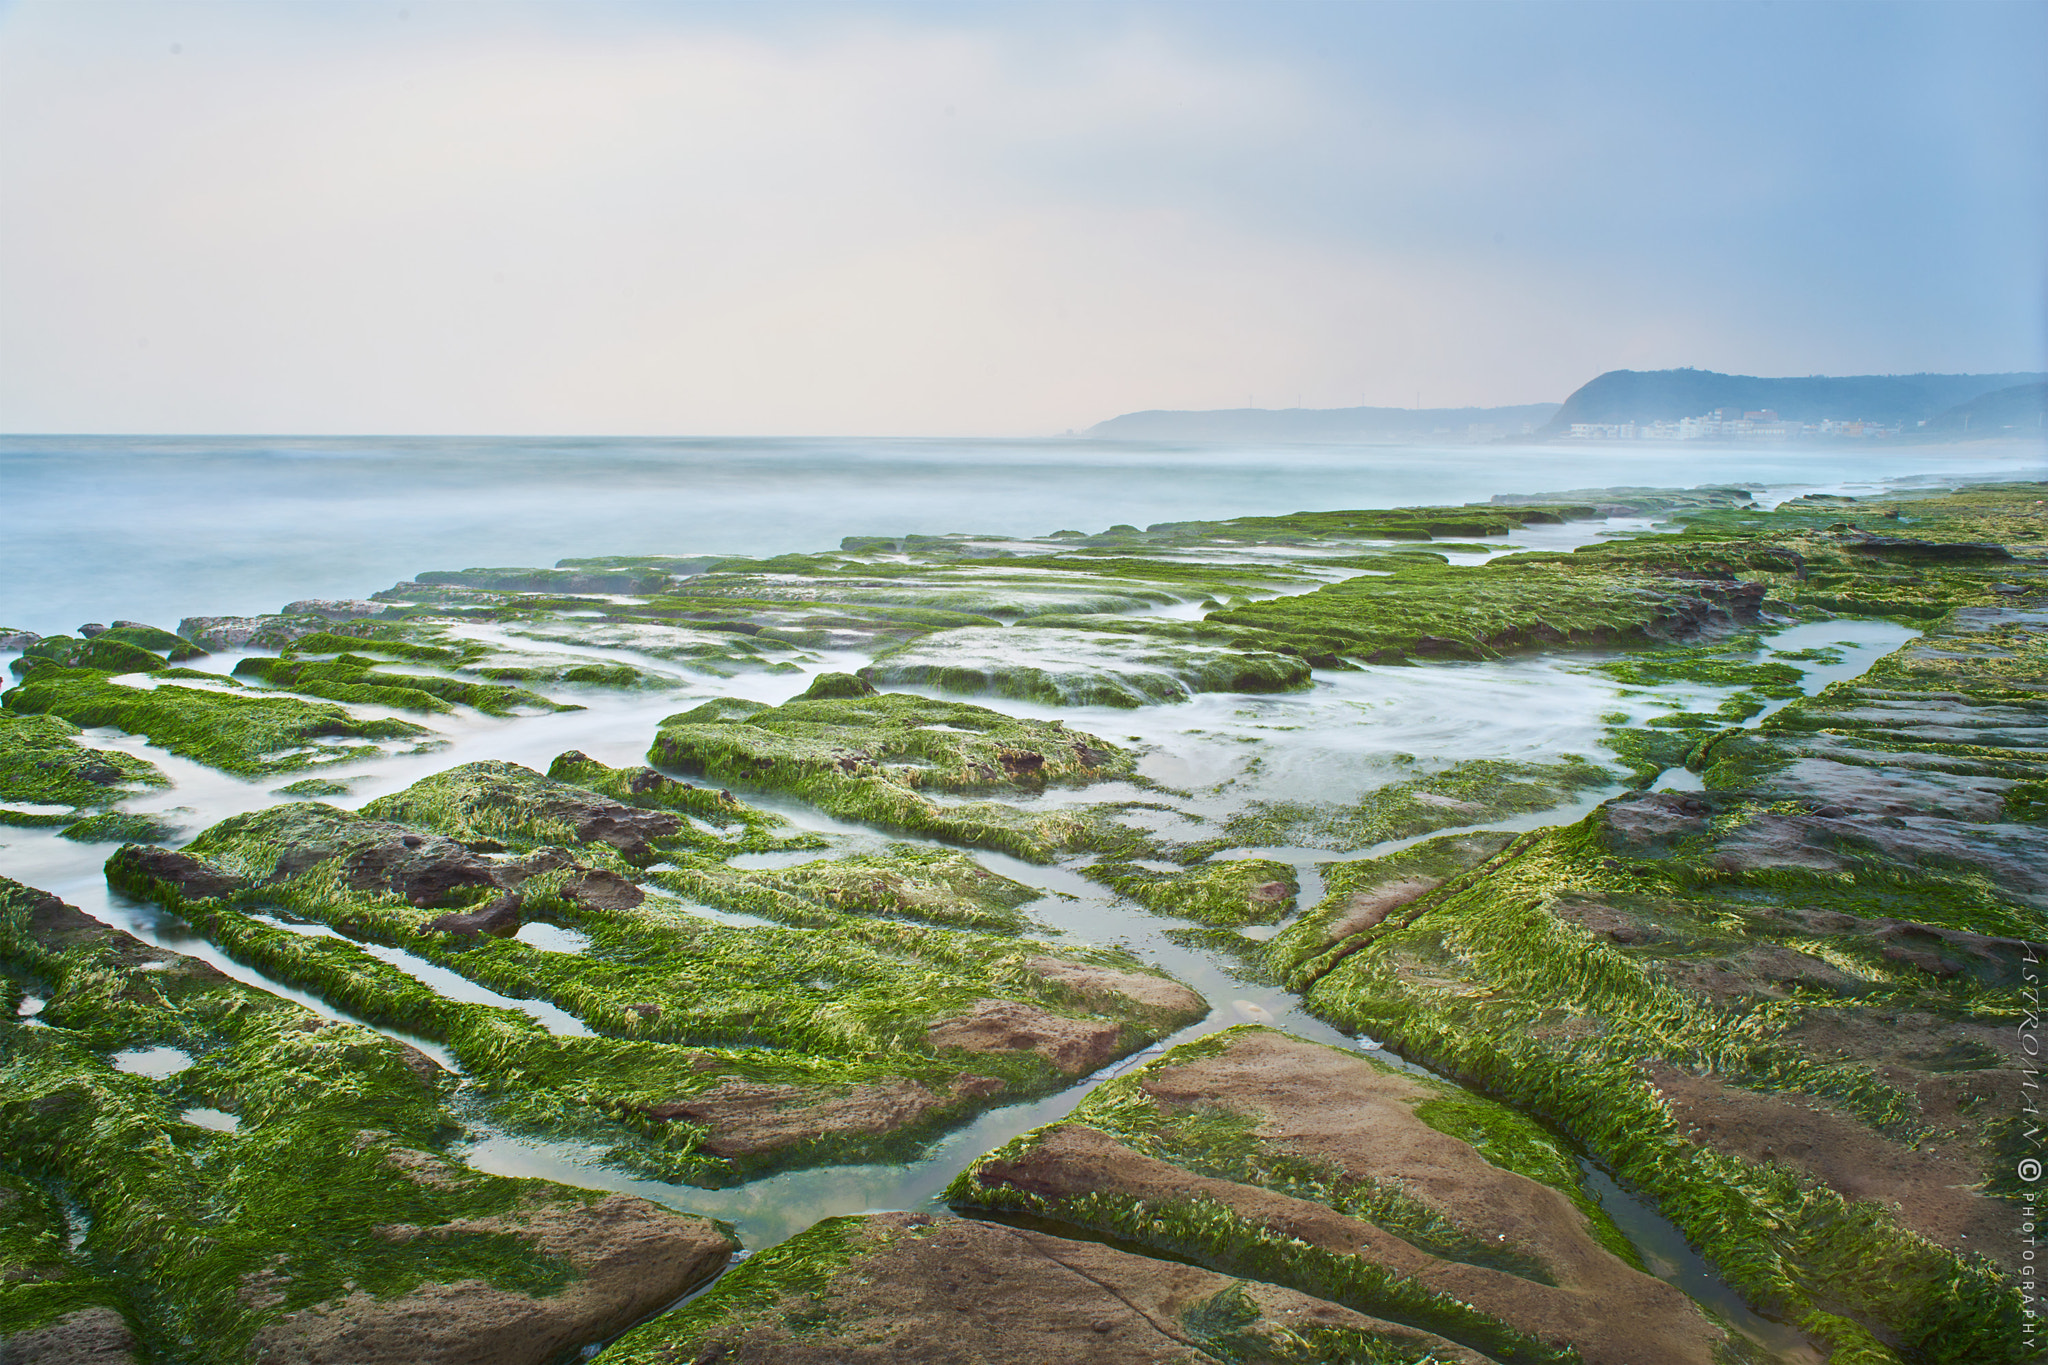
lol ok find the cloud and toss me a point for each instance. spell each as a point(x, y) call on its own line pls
point(317, 220)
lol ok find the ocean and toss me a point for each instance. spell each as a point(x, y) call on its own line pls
point(155, 528)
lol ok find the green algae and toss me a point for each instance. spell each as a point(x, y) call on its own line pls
point(309, 787)
point(1099, 669)
point(176, 648)
point(354, 679)
point(41, 1278)
point(1226, 894)
point(1493, 989)
point(871, 759)
point(1472, 792)
point(122, 827)
point(1517, 602)
point(734, 825)
point(429, 641)
point(935, 886)
point(494, 804)
point(251, 736)
point(677, 1002)
point(42, 762)
point(338, 1180)
point(388, 639)
point(103, 653)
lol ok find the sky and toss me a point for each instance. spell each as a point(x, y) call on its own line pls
point(991, 219)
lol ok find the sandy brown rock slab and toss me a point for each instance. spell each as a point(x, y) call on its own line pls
point(1337, 1109)
point(1894, 789)
point(746, 1118)
point(90, 1336)
point(631, 1258)
point(1107, 988)
point(1369, 908)
point(949, 1291)
point(1928, 1187)
point(1075, 1046)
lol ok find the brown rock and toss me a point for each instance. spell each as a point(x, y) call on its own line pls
point(1335, 1108)
point(1369, 908)
point(1931, 1187)
point(90, 1336)
point(746, 1118)
point(949, 1291)
point(192, 878)
point(602, 890)
point(1108, 989)
point(1076, 1046)
point(631, 1258)
point(500, 918)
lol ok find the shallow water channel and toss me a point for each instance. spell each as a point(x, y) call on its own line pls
point(1350, 733)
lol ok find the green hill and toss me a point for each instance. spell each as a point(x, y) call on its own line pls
point(1667, 395)
point(2017, 411)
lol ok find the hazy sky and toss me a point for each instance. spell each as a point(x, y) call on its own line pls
point(990, 219)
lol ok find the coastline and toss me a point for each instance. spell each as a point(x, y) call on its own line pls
point(1766, 865)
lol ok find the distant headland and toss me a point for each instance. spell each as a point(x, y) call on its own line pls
point(1682, 404)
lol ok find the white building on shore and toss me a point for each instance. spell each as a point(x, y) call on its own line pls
point(1726, 424)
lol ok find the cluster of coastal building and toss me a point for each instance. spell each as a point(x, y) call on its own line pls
point(1727, 424)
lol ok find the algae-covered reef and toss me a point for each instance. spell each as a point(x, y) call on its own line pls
point(1756, 977)
point(199, 1171)
point(911, 1285)
point(859, 755)
point(237, 732)
point(694, 1048)
point(42, 763)
point(1783, 1006)
point(1326, 1172)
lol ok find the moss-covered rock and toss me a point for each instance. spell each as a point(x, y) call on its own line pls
point(354, 679)
point(934, 886)
point(122, 827)
point(1258, 1154)
point(252, 736)
point(908, 1285)
point(873, 758)
point(1750, 1012)
point(102, 652)
point(690, 1047)
point(1099, 668)
point(42, 763)
point(1226, 894)
point(1473, 792)
point(333, 1222)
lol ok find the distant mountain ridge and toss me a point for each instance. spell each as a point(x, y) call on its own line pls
point(2018, 411)
point(1905, 400)
point(1322, 424)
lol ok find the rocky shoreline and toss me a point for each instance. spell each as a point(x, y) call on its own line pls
point(1765, 964)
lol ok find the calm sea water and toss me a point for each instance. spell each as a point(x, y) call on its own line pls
point(157, 528)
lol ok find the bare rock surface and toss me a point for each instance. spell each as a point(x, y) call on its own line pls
point(1075, 1046)
point(1930, 1187)
point(90, 1336)
point(745, 1118)
point(949, 1291)
point(1107, 987)
point(631, 1257)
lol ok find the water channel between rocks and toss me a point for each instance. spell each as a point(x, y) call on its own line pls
point(1351, 732)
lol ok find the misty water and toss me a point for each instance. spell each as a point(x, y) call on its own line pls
point(157, 530)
